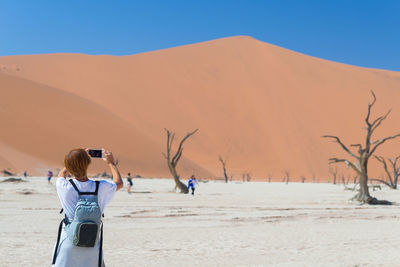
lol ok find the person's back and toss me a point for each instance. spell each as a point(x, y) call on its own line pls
point(69, 197)
point(71, 248)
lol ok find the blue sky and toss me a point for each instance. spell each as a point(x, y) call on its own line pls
point(358, 32)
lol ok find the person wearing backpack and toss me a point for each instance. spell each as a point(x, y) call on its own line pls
point(80, 234)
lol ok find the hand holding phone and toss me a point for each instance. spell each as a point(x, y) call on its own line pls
point(108, 157)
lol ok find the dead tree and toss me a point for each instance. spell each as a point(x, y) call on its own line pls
point(287, 176)
point(7, 173)
point(269, 177)
point(334, 174)
point(248, 177)
point(363, 154)
point(223, 162)
point(173, 161)
point(391, 181)
point(343, 180)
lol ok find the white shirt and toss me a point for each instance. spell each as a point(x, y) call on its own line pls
point(69, 197)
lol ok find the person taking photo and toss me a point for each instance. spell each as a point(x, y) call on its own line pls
point(80, 234)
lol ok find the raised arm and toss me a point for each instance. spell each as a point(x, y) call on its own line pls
point(63, 173)
point(109, 158)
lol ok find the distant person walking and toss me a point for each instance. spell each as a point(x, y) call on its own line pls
point(25, 174)
point(192, 183)
point(49, 176)
point(130, 184)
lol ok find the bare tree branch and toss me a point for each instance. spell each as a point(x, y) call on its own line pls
point(178, 157)
point(396, 172)
point(348, 163)
point(179, 151)
point(379, 120)
point(394, 160)
point(356, 145)
point(381, 181)
point(341, 144)
point(385, 167)
point(381, 141)
point(369, 109)
point(393, 163)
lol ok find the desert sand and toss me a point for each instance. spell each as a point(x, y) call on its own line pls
point(262, 107)
point(235, 224)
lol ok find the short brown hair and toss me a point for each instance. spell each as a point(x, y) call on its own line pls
point(77, 161)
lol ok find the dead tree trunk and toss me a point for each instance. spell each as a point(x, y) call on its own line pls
point(173, 161)
point(248, 177)
point(334, 174)
point(223, 162)
point(287, 177)
point(348, 179)
point(395, 170)
point(6, 172)
point(355, 179)
point(269, 177)
point(391, 181)
point(363, 154)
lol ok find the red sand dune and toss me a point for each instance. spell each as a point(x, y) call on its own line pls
point(261, 106)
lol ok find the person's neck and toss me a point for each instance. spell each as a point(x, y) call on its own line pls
point(82, 179)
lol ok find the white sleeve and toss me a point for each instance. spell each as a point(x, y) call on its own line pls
point(61, 185)
point(106, 193)
point(61, 182)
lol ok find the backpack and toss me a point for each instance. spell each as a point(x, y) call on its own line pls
point(84, 229)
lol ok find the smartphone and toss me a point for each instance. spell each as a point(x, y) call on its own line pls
point(96, 153)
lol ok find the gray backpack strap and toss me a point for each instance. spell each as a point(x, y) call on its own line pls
point(74, 185)
point(57, 243)
point(97, 187)
point(85, 193)
point(101, 247)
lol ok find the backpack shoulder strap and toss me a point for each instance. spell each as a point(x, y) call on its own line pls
point(57, 243)
point(101, 247)
point(97, 187)
point(86, 193)
point(74, 185)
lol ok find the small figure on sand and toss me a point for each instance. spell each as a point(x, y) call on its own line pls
point(25, 174)
point(130, 184)
point(49, 176)
point(192, 183)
